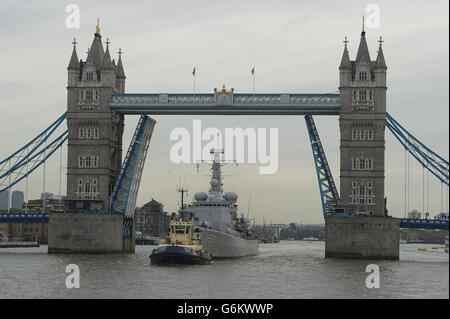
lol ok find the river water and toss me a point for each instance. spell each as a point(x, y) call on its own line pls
point(290, 269)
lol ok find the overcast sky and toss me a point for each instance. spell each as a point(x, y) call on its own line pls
point(295, 46)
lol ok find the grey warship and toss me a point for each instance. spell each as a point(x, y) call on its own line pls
point(225, 233)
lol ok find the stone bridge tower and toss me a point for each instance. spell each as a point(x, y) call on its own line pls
point(94, 157)
point(362, 122)
point(95, 131)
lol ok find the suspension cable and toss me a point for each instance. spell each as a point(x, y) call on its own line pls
point(428, 194)
point(405, 185)
point(44, 202)
point(423, 191)
point(409, 178)
point(60, 175)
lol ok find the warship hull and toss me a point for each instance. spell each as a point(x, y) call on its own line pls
point(222, 245)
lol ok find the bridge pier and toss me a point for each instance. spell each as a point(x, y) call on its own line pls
point(362, 237)
point(88, 233)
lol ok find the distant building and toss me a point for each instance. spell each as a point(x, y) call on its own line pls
point(4, 200)
point(153, 220)
point(441, 216)
point(300, 231)
point(25, 231)
point(143, 222)
point(414, 214)
point(47, 195)
point(35, 206)
point(17, 199)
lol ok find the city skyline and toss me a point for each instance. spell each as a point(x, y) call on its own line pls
point(310, 68)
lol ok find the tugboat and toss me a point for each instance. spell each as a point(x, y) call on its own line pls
point(182, 245)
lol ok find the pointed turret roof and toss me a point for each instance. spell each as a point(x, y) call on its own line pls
point(74, 64)
point(107, 64)
point(96, 52)
point(363, 50)
point(345, 62)
point(380, 63)
point(119, 69)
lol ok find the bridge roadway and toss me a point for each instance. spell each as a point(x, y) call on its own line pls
point(226, 103)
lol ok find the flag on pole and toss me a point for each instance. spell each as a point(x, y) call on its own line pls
point(253, 71)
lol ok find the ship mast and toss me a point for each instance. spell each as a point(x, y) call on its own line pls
point(182, 190)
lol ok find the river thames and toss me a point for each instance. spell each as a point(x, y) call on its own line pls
point(290, 269)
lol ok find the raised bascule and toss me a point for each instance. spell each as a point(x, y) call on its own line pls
point(102, 191)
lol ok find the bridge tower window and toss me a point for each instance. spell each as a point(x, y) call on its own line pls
point(89, 95)
point(363, 95)
point(363, 76)
point(88, 162)
point(89, 76)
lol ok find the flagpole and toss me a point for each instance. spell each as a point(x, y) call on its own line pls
point(193, 73)
point(254, 75)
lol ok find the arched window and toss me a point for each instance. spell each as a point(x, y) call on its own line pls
point(94, 186)
point(89, 76)
point(354, 164)
point(87, 187)
point(94, 161)
point(362, 135)
point(354, 134)
point(362, 95)
point(363, 75)
point(88, 161)
point(362, 165)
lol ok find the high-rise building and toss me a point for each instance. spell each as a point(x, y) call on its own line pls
point(17, 199)
point(4, 200)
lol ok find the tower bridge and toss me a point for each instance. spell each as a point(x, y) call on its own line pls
point(102, 190)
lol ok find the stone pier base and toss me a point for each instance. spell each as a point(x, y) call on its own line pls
point(362, 237)
point(87, 233)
